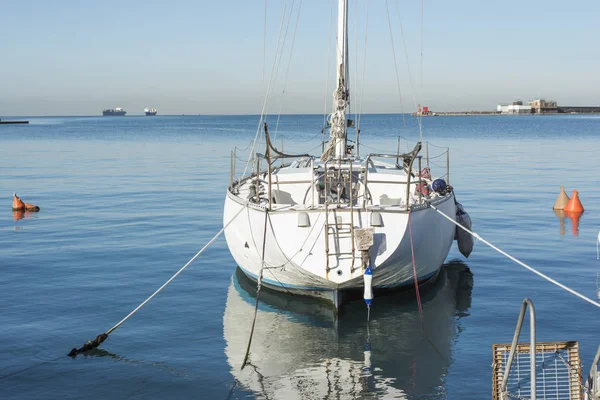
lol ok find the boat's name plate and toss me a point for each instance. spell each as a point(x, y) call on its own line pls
point(364, 238)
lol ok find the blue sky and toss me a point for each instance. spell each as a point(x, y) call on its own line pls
point(206, 57)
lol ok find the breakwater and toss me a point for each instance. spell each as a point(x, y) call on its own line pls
point(13, 122)
point(578, 110)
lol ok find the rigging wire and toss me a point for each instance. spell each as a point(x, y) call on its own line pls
point(362, 82)
point(266, 99)
point(421, 67)
point(395, 64)
point(264, 45)
point(328, 63)
point(287, 71)
point(285, 35)
point(279, 54)
point(408, 69)
point(354, 82)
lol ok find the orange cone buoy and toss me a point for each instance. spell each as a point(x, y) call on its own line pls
point(17, 205)
point(562, 199)
point(574, 205)
point(31, 207)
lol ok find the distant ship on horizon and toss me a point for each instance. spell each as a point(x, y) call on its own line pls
point(150, 111)
point(113, 111)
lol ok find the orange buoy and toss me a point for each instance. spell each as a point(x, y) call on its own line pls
point(17, 205)
point(574, 205)
point(31, 207)
point(562, 199)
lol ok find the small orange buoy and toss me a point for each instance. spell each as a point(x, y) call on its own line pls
point(17, 205)
point(31, 207)
point(574, 205)
point(562, 199)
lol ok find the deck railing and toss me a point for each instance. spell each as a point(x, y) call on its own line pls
point(403, 160)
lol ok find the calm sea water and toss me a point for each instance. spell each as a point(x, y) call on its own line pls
point(126, 201)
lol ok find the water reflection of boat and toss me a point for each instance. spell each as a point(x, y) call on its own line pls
point(301, 350)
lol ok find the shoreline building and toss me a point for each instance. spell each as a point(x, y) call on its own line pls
point(516, 107)
point(541, 106)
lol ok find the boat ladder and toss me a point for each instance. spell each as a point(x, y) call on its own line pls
point(548, 370)
point(339, 230)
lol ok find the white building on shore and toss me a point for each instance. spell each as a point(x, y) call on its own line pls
point(516, 107)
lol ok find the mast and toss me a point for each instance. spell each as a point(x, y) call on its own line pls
point(341, 95)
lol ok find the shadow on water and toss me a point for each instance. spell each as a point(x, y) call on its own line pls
point(301, 350)
point(97, 352)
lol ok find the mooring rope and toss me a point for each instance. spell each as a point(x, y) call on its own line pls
point(476, 236)
point(102, 337)
point(258, 283)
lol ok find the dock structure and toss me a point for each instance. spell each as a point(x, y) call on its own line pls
point(12, 122)
point(541, 106)
point(578, 110)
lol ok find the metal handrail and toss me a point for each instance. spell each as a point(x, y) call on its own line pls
point(513, 348)
point(413, 154)
point(593, 381)
point(407, 166)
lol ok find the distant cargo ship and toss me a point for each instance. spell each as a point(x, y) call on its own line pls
point(150, 111)
point(114, 111)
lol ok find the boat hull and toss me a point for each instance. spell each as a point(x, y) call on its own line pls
point(295, 258)
point(113, 113)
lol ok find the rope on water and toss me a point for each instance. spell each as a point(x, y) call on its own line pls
point(476, 236)
point(259, 282)
point(29, 368)
point(102, 337)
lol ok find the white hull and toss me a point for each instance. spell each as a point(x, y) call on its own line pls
point(295, 257)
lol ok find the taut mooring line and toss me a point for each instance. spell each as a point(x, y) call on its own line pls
point(258, 283)
point(476, 236)
point(102, 337)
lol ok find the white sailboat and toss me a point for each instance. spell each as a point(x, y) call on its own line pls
point(315, 225)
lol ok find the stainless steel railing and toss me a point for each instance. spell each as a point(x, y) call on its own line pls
point(593, 381)
point(513, 348)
